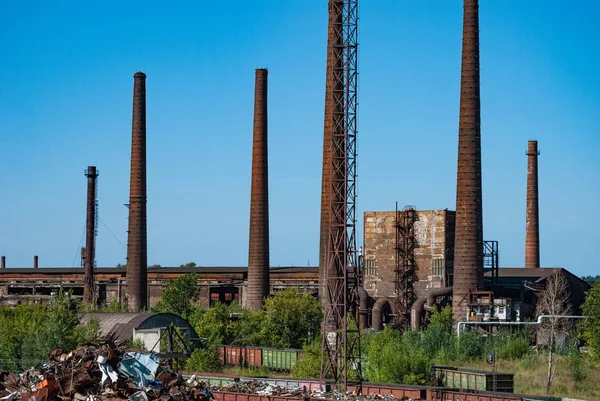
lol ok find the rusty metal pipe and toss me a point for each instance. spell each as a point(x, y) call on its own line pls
point(258, 249)
point(137, 246)
point(468, 251)
point(532, 227)
point(418, 307)
point(90, 231)
point(363, 308)
point(378, 308)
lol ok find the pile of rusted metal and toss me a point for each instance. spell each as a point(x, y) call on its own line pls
point(101, 373)
point(107, 373)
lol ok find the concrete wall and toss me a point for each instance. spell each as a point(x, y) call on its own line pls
point(434, 232)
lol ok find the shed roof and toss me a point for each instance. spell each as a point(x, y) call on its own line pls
point(122, 324)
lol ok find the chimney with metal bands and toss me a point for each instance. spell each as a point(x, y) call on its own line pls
point(532, 228)
point(258, 249)
point(90, 230)
point(334, 41)
point(468, 252)
point(137, 257)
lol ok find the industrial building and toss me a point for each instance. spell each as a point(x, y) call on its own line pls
point(215, 284)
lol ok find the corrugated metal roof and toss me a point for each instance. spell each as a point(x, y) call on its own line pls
point(122, 324)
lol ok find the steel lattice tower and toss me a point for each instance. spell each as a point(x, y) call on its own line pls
point(341, 340)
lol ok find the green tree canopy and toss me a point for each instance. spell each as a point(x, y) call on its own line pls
point(179, 296)
point(292, 318)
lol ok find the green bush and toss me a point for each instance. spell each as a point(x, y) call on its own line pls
point(579, 365)
point(394, 357)
point(309, 366)
point(204, 360)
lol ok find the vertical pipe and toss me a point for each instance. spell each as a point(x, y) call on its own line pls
point(90, 230)
point(3, 262)
point(532, 229)
point(468, 253)
point(137, 287)
point(35, 262)
point(333, 40)
point(258, 249)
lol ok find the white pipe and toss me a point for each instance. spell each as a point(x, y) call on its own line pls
point(539, 321)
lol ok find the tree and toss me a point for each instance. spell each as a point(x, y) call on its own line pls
point(591, 310)
point(591, 279)
point(553, 302)
point(189, 264)
point(292, 318)
point(179, 295)
point(57, 330)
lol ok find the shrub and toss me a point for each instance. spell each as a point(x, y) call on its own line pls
point(309, 366)
point(204, 360)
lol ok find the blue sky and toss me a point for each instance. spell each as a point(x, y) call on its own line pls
point(66, 79)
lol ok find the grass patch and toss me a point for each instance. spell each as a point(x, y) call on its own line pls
point(530, 375)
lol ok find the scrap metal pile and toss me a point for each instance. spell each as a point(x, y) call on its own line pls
point(106, 373)
point(101, 373)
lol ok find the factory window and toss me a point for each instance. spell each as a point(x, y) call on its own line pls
point(370, 267)
point(437, 267)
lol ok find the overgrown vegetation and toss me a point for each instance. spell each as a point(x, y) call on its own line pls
point(28, 333)
point(290, 319)
point(591, 309)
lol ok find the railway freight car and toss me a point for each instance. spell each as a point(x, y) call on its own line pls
point(276, 359)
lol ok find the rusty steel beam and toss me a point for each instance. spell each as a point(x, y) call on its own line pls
point(90, 235)
point(532, 229)
point(468, 251)
point(137, 248)
point(258, 249)
point(334, 41)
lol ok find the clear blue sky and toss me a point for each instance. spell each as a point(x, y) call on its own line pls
point(66, 78)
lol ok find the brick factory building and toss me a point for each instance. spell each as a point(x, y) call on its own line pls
point(223, 284)
point(433, 253)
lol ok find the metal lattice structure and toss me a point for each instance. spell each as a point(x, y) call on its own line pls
point(490, 259)
point(406, 266)
point(341, 339)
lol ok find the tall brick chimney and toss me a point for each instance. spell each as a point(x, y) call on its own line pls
point(334, 40)
point(3, 262)
point(90, 235)
point(35, 261)
point(258, 249)
point(532, 228)
point(468, 251)
point(137, 257)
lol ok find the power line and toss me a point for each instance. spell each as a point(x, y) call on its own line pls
point(114, 236)
point(78, 252)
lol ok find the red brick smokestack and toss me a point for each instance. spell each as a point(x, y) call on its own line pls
point(334, 39)
point(468, 251)
point(3, 262)
point(90, 230)
point(137, 257)
point(35, 262)
point(258, 250)
point(532, 229)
